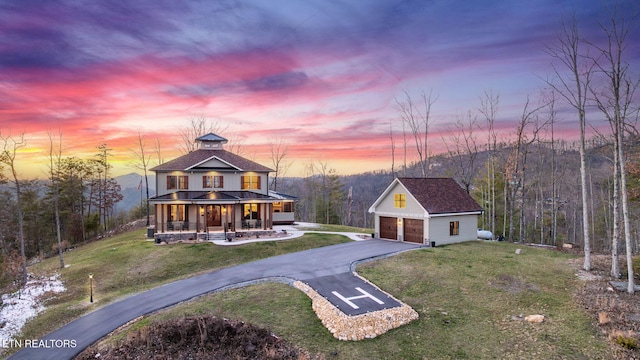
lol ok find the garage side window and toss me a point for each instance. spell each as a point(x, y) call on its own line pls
point(400, 201)
point(454, 228)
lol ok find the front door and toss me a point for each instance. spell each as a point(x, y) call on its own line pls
point(213, 215)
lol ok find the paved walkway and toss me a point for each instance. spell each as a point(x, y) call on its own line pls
point(305, 265)
point(287, 232)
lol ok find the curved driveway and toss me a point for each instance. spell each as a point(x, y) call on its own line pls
point(304, 265)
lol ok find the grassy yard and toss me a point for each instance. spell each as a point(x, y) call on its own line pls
point(128, 263)
point(467, 296)
point(335, 228)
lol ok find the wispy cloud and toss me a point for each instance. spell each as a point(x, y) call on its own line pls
point(322, 74)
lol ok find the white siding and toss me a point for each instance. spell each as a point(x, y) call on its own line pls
point(387, 207)
point(439, 229)
point(283, 217)
point(231, 181)
point(214, 163)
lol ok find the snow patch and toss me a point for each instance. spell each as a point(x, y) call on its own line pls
point(22, 305)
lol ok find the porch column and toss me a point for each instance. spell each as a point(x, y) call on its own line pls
point(162, 222)
point(270, 216)
point(198, 207)
point(155, 218)
point(225, 218)
point(233, 218)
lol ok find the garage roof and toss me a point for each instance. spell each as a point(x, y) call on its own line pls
point(435, 195)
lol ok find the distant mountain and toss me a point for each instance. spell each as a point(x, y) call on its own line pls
point(131, 193)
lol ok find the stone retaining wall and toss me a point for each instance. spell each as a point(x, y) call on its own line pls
point(359, 327)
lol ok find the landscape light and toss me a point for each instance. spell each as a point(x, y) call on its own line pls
point(91, 287)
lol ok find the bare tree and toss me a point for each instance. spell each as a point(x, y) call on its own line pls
point(462, 149)
point(323, 171)
point(158, 150)
point(573, 88)
point(197, 126)
point(10, 149)
point(393, 151)
point(554, 180)
point(489, 109)
point(515, 169)
point(55, 165)
point(142, 161)
point(615, 101)
point(418, 119)
point(278, 150)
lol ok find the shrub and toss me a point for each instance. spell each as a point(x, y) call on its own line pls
point(64, 244)
point(627, 342)
point(624, 339)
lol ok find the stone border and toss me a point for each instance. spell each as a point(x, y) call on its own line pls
point(358, 327)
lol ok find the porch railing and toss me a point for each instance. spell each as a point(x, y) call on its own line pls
point(187, 226)
point(180, 226)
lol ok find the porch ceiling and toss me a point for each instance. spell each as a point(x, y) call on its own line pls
point(212, 196)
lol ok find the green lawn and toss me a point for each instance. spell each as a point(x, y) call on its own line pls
point(466, 295)
point(128, 263)
point(335, 228)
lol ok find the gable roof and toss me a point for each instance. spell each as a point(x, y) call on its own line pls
point(193, 159)
point(435, 195)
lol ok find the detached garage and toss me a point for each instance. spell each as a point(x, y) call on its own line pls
point(426, 210)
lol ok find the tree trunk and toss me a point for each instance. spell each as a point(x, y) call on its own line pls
point(625, 213)
point(615, 266)
point(585, 203)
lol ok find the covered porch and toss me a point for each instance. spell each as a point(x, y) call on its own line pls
point(189, 215)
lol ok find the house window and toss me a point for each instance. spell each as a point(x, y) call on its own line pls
point(250, 182)
point(212, 182)
point(250, 211)
point(454, 228)
point(283, 206)
point(400, 201)
point(178, 213)
point(177, 182)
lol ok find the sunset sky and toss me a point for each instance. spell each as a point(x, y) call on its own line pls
point(321, 75)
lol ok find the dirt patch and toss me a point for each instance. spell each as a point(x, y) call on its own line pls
point(615, 312)
point(198, 337)
point(512, 284)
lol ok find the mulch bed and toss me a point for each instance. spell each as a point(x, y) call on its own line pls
point(197, 337)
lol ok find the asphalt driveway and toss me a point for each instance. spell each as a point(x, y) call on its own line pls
point(305, 266)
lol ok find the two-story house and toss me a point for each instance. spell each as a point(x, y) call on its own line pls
point(211, 190)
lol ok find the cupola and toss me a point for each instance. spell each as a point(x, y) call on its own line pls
point(211, 141)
